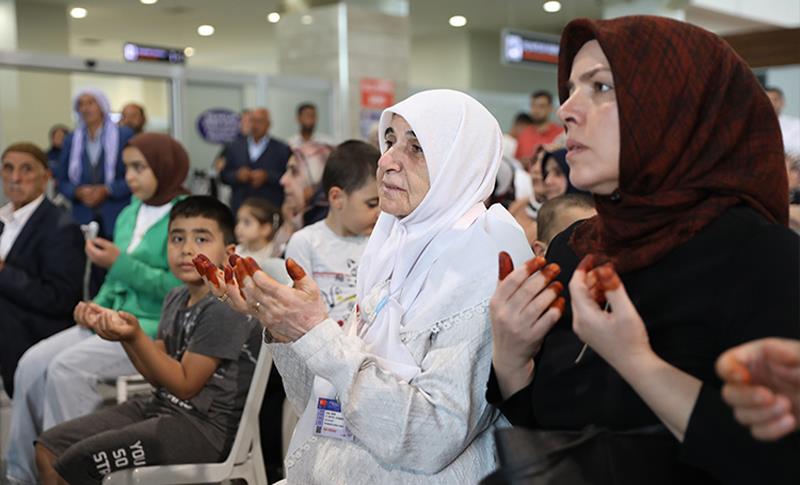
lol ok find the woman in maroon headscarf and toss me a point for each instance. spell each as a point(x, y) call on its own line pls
point(671, 132)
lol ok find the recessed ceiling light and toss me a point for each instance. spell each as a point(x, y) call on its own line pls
point(188, 52)
point(78, 13)
point(148, 2)
point(307, 20)
point(274, 17)
point(205, 30)
point(552, 6)
point(458, 21)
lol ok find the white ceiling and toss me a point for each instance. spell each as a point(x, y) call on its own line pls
point(244, 40)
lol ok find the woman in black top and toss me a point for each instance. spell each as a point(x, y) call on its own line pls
point(671, 132)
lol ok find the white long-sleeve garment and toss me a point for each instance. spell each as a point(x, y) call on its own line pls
point(437, 429)
point(410, 368)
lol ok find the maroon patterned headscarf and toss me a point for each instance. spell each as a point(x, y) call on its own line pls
point(698, 135)
point(169, 162)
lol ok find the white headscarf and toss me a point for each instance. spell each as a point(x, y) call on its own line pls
point(110, 138)
point(461, 142)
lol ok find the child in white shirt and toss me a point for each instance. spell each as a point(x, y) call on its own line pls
point(330, 249)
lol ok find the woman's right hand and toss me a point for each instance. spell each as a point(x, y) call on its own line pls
point(523, 309)
point(762, 385)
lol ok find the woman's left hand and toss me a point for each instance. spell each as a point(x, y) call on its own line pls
point(618, 336)
point(102, 252)
point(288, 312)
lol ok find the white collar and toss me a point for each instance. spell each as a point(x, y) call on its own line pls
point(252, 141)
point(20, 216)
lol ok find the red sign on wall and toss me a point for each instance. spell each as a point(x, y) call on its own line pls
point(376, 93)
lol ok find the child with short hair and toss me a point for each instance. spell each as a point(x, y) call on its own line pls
point(557, 214)
point(256, 222)
point(330, 249)
point(201, 365)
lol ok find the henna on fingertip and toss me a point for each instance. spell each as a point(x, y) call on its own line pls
point(559, 304)
point(740, 373)
point(608, 278)
point(233, 259)
point(241, 274)
point(206, 268)
point(506, 265)
point(597, 294)
point(251, 266)
point(551, 271)
point(535, 264)
point(557, 287)
point(295, 271)
point(201, 263)
point(587, 263)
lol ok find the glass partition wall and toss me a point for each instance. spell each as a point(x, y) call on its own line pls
point(36, 92)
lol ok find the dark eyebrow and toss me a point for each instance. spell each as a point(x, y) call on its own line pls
point(201, 231)
point(587, 76)
point(411, 134)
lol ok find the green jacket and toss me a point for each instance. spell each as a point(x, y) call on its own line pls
point(138, 282)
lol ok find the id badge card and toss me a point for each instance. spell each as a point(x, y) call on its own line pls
point(330, 421)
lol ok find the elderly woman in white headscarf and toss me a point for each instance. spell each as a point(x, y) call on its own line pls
point(397, 394)
point(91, 173)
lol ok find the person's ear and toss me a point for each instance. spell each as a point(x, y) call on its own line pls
point(336, 197)
point(230, 249)
point(539, 248)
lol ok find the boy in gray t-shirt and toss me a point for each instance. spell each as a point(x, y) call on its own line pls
point(201, 365)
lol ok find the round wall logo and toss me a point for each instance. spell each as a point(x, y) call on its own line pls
point(218, 125)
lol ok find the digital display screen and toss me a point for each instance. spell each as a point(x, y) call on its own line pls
point(528, 48)
point(144, 53)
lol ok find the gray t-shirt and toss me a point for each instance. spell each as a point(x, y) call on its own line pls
point(213, 329)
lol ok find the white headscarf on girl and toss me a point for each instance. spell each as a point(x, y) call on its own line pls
point(110, 138)
point(462, 144)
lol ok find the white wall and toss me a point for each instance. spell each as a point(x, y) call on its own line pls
point(488, 73)
point(42, 28)
point(470, 61)
point(785, 13)
point(440, 60)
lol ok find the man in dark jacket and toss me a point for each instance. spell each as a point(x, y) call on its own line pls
point(41, 259)
point(254, 165)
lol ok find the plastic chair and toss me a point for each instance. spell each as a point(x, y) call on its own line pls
point(244, 461)
point(128, 385)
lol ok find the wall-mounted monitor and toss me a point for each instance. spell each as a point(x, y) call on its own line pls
point(521, 48)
